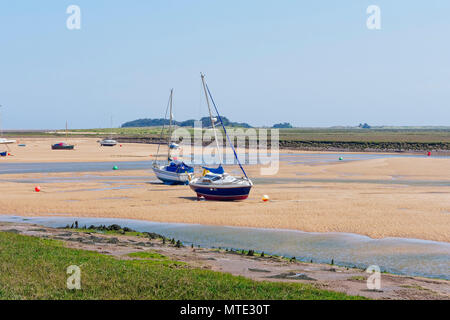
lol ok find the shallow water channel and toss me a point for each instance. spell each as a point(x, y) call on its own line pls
point(396, 255)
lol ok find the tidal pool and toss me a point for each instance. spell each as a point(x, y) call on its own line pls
point(52, 167)
point(396, 255)
point(297, 158)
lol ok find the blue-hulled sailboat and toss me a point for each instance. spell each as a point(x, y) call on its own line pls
point(175, 172)
point(216, 184)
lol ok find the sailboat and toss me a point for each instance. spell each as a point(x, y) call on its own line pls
point(63, 145)
point(216, 184)
point(108, 142)
point(176, 171)
point(4, 141)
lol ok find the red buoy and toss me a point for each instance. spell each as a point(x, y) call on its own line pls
point(429, 153)
point(37, 189)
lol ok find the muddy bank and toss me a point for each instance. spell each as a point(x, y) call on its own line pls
point(397, 256)
point(409, 147)
point(266, 268)
point(341, 146)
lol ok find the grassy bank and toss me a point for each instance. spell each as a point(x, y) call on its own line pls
point(35, 268)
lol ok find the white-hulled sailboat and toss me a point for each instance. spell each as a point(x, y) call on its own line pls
point(4, 141)
point(108, 142)
point(175, 172)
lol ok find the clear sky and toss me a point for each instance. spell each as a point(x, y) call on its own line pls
point(311, 63)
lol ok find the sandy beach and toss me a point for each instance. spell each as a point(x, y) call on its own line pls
point(389, 197)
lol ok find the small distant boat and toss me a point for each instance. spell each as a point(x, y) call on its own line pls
point(216, 184)
point(176, 171)
point(62, 146)
point(6, 141)
point(108, 143)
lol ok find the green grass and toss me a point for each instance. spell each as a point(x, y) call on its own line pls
point(147, 255)
point(152, 257)
point(35, 268)
point(108, 232)
point(415, 287)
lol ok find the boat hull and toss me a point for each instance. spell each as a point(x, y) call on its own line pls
point(221, 193)
point(5, 141)
point(171, 178)
point(108, 143)
point(62, 147)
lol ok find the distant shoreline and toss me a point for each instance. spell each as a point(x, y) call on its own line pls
point(336, 146)
point(300, 139)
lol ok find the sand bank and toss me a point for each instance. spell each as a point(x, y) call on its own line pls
point(394, 197)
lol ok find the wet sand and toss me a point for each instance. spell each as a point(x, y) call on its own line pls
point(86, 150)
point(394, 197)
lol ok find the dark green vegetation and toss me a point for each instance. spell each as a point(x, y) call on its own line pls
point(206, 122)
point(364, 126)
point(35, 268)
point(113, 229)
point(284, 125)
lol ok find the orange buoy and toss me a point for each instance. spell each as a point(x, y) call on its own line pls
point(265, 198)
point(37, 189)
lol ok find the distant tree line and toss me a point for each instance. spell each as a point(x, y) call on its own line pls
point(283, 125)
point(364, 126)
point(206, 122)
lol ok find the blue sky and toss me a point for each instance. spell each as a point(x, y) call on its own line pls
point(311, 63)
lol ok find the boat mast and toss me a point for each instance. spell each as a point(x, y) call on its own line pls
point(66, 129)
point(211, 117)
point(1, 129)
point(226, 134)
point(162, 130)
point(170, 127)
point(111, 133)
